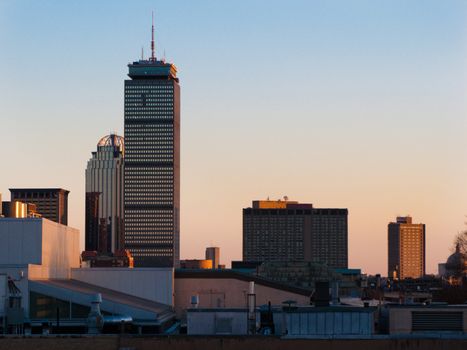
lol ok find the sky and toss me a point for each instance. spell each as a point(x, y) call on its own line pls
point(348, 104)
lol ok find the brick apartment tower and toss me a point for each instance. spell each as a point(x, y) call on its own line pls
point(406, 249)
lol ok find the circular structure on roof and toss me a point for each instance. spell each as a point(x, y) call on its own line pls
point(112, 140)
point(456, 263)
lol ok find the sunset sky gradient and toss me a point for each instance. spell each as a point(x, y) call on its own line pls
point(350, 104)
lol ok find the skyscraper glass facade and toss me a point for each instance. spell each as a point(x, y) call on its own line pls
point(152, 164)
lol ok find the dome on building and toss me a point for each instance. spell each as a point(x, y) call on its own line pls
point(112, 140)
point(456, 263)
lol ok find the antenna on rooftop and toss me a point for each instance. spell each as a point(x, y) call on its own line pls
point(153, 54)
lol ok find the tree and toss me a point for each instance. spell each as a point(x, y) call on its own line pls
point(460, 243)
point(457, 262)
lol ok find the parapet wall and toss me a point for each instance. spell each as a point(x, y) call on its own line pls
point(224, 343)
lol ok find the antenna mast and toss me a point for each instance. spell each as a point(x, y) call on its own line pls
point(153, 55)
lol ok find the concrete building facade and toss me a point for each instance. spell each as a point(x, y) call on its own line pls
point(33, 248)
point(291, 231)
point(406, 249)
point(104, 196)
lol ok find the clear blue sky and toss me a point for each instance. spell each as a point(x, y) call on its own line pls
point(357, 104)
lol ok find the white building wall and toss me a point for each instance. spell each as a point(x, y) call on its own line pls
point(36, 248)
point(20, 241)
point(156, 284)
point(60, 252)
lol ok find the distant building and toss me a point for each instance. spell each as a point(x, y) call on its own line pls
point(91, 237)
point(121, 258)
point(152, 163)
point(18, 210)
point(104, 196)
point(213, 253)
point(196, 264)
point(441, 269)
point(406, 249)
point(299, 273)
point(51, 203)
point(291, 231)
point(454, 270)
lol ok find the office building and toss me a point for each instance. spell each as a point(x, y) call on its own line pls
point(287, 231)
point(152, 163)
point(51, 203)
point(213, 253)
point(406, 249)
point(104, 196)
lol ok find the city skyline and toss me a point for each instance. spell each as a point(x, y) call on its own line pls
point(313, 136)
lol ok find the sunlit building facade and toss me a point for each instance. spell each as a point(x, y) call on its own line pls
point(152, 163)
point(287, 231)
point(406, 249)
point(104, 196)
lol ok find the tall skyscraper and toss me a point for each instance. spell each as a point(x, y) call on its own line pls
point(291, 231)
point(51, 203)
point(104, 196)
point(152, 162)
point(406, 249)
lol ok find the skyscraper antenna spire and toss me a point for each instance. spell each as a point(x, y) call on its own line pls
point(153, 53)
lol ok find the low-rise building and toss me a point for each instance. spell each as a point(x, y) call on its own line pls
point(229, 289)
point(289, 321)
point(41, 281)
point(426, 319)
